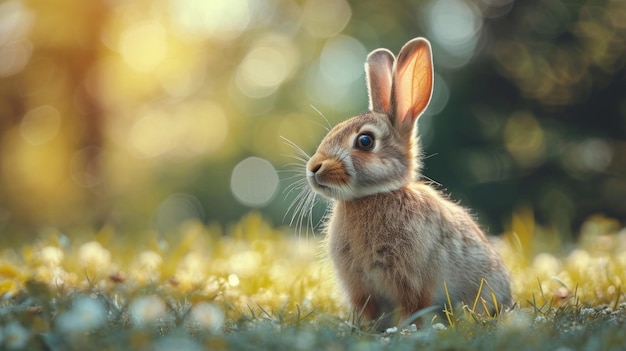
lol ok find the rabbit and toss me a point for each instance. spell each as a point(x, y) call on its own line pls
point(397, 245)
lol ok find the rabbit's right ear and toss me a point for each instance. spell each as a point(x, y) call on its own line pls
point(412, 83)
point(378, 69)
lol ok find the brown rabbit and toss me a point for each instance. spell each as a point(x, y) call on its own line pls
point(393, 240)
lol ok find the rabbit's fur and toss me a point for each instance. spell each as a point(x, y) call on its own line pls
point(392, 239)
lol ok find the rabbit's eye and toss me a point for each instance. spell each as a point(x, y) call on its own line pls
point(364, 141)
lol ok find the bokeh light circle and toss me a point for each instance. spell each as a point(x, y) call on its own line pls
point(254, 182)
point(41, 125)
point(455, 25)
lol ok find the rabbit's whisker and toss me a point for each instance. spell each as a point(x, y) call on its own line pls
point(305, 199)
point(328, 125)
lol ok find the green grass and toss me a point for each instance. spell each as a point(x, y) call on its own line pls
point(257, 287)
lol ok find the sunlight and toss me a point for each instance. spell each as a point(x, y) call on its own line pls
point(326, 18)
point(15, 49)
point(222, 20)
point(144, 46)
point(266, 66)
point(194, 129)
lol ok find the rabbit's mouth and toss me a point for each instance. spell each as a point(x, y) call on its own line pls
point(327, 190)
point(330, 191)
point(330, 177)
point(317, 186)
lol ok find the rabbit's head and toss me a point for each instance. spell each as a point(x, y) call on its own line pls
point(377, 151)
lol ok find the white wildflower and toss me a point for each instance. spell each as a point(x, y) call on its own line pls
point(245, 263)
point(546, 265)
point(15, 336)
point(233, 280)
point(147, 267)
point(147, 310)
point(86, 314)
point(190, 271)
point(439, 326)
point(392, 330)
point(93, 256)
point(149, 260)
point(207, 316)
point(51, 256)
point(55, 275)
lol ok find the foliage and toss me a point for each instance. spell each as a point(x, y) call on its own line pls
point(163, 99)
point(256, 288)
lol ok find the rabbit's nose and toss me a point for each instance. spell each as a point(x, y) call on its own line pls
point(315, 167)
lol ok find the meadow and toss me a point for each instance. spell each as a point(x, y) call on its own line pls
point(136, 137)
point(255, 286)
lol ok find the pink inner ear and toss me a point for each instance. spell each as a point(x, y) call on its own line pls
point(413, 80)
point(379, 68)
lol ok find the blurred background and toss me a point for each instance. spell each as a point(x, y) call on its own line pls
point(148, 113)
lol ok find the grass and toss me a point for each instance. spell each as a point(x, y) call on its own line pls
point(258, 287)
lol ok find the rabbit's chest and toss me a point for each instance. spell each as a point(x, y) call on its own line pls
point(363, 249)
point(365, 261)
point(369, 253)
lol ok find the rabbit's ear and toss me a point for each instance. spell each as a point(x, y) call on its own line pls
point(378, 69)
point(412, 83)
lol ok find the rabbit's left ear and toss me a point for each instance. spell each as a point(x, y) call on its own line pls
point(412, 83)
point(379, 70)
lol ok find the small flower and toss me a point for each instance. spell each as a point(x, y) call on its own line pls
point(147, 310)
point(233, 280)
point(439, 326)
point(147, 267)
point(94, 257)
point(190, 271)
point(245, 263)
point(392, 330)
point(51, 256)
point(86, 313)
point(207, 316)
point(546, 265)
point(15, 336)
point(150, 260)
